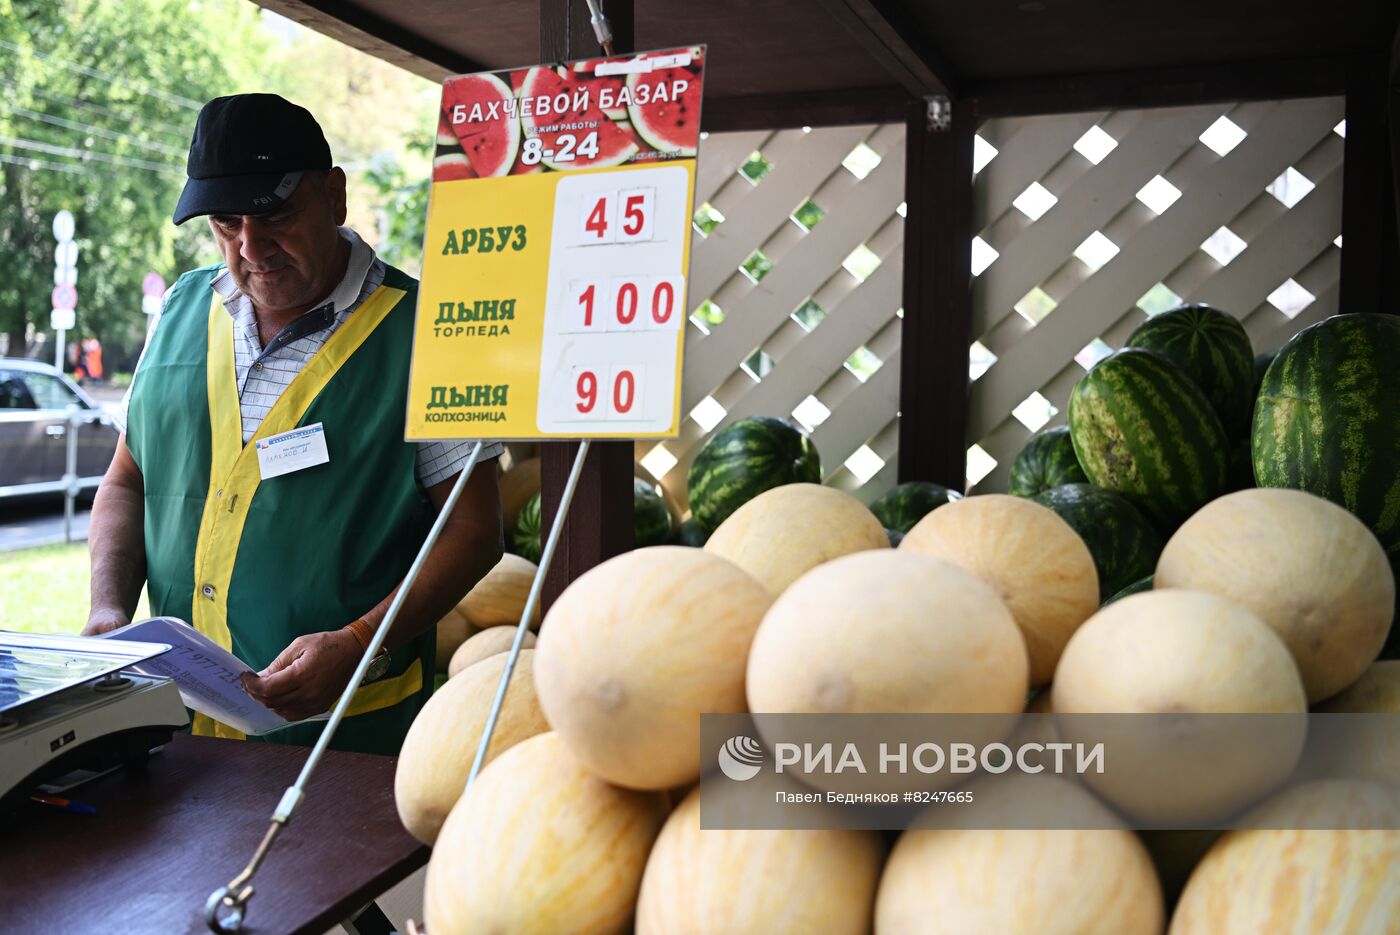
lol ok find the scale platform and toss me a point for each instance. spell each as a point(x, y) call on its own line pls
point(66, 705)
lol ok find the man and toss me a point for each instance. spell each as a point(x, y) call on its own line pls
point(301, 326)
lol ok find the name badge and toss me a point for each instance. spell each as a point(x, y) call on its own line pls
point(292, 451)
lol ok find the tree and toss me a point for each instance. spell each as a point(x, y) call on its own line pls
point(100, 102)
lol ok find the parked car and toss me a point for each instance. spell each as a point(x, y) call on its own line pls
point(35, 402)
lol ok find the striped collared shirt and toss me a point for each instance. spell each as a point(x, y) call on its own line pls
point(263, 373)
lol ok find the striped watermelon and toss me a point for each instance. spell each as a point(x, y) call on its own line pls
point(1123, 543)
point(1046, 461)
point(1141, 427)
point(527, 530)
point(742, 461)
point(689, 533)
point(651, 521)
point(1328, 419)
point(1213, 349)
point(904, 505)
point(1137, 587)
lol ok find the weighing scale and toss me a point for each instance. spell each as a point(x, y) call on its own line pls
point(68, 712)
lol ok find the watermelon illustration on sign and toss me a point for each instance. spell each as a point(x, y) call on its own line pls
point(490, 144)
point(665, 108)
point(607, 86)
point(598, 141)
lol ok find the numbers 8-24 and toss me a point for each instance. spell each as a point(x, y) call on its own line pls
point(567, 148)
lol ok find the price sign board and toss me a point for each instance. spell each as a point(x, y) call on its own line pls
point(553, 301)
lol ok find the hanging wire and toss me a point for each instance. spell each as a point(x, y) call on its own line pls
point(227, 906)
point(601, 27)
point(138, 86)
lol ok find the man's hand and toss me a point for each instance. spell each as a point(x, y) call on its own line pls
point(308, 677)
point(102, 621)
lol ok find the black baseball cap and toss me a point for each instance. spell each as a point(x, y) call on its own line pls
point(248, 155)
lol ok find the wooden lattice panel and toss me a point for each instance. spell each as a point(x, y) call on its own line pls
point(808, 339)
point(1081, 258)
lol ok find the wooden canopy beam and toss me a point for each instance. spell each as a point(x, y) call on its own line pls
point(1177, 86)
point(1367, 281)
point(896, 41)
point(599, 524)
point(937, 325)
point(373, 35)
point(817, 109)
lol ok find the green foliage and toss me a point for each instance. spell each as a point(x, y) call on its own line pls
point(808, 214)
point(96, 120)
point(99, 103)
point(402, 207)
point(46, 589)
point(755, 168)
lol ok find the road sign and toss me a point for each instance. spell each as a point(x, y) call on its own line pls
point(65, 297)
point(153, 284)
point(553, 297)
point(63, 226)
point(65, 275)
point(65, 253)
point(150, 304)
point(63, 319)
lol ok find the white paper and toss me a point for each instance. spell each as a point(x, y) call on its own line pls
point(206, 674)
point(292, 451)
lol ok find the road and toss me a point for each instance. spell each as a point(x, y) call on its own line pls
point(39, 520)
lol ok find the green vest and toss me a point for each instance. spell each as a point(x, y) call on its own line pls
point(254, 564)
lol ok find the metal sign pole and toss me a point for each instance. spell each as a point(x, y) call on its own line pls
point(70, 475)
point(536, 586)
point(231, 899)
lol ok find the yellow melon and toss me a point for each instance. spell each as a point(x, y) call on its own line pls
point(441, 743)
point(485, 644)
point(540, 846)
point(499, 598)
point(774, 882)
point(1362, 748)
point(1034, 560)
point(518, 485)
point(887, 631)
point(1303, 882)
point(635, 649)
point(452, 631)
point(1182, 652)
point(968, 882)
point(1304, 565)
point(782, 533)
point(1376, 692)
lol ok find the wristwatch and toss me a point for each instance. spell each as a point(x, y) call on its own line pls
point(363, 633)
point(377, 666)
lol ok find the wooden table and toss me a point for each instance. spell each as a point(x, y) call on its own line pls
point(166, 836)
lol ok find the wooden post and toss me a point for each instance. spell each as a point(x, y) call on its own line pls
point(600, 520)
point(1368, 193)
point(937, 326)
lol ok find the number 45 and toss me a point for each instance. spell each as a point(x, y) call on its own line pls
point(635, 208)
